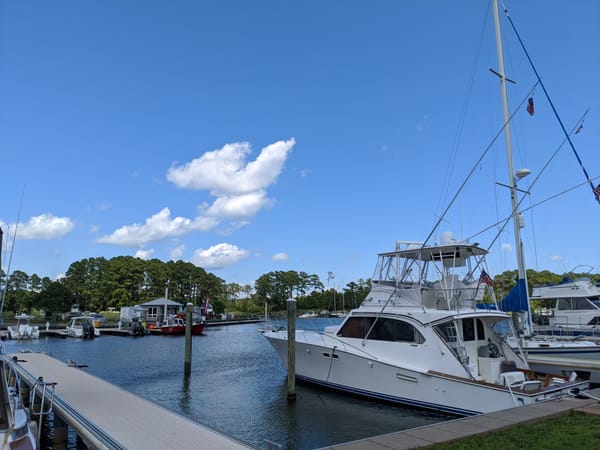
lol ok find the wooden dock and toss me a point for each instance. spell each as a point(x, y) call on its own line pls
point(108, 417)
point(453, 430)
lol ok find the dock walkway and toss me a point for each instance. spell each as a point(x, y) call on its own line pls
point(94, 407)
point(468, 426)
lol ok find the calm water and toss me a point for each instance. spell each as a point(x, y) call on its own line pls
point(237, 386)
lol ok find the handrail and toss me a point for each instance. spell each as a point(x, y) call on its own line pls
point(95, 436)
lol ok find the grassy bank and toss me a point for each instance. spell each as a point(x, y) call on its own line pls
point(574, 430)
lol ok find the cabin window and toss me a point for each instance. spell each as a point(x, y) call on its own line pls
point(564, 303)
point(385, 329)
point(152, 312)
point(480, 330)
point(468, 327)
point(581, 303)
point(356, 327)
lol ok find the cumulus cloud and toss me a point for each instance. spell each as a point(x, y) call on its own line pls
point(225, 172)
point(177, 253)
point(158, 227)
point(239, 206)
point(239, 188)
point(144, 254)
point(45, 226)
point(280, 257)
point(219, 256)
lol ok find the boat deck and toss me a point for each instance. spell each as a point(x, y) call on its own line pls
point(95, 407)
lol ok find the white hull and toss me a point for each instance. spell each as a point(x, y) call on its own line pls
point(368, 376)
point(23, 332)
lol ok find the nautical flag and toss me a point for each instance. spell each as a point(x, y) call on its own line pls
point(597, 192)
point(579, 128)
point(485, 278)
point(530, 109)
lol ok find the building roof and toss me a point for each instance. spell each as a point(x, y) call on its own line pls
point(161, 302)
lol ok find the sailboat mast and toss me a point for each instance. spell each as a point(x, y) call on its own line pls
point(517, 218)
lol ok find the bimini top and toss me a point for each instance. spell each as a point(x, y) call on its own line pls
point(458, 251)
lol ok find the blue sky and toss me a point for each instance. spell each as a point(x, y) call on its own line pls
point(248, 137)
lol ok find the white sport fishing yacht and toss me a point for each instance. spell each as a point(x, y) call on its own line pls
point(427, 335)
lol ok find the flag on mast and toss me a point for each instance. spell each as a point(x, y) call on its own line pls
point(530, 108)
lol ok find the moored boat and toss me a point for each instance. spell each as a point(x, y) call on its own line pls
point(23, 328)
point(425, 337)
point(82, 327)
point(175, 325)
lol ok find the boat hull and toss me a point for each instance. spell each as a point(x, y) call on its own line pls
point(332, 366)
point(197, 329)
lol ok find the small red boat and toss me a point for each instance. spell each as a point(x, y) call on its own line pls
point(176, 325)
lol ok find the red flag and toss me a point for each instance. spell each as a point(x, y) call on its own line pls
point(530, 109)
point(597, 192)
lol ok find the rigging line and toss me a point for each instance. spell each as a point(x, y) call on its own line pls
point(487, 149)
point(535, 180)
point(551, 104)
point(465, 105)
point(547, 199)
point(12, 250)
point(543, 169)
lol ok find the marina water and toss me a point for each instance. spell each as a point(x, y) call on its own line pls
point(237, 386)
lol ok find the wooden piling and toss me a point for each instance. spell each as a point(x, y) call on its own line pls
point(187, 365)
point(291, 336)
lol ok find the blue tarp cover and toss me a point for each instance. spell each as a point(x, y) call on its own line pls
point(516, 300)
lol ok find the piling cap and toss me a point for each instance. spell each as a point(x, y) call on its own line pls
point(291, 299)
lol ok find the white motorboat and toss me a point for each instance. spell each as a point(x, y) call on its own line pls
point(308, 315)
point(426, 336)
point(573, 303)
point(575, 312)
point(82, 327)
point(23, 328)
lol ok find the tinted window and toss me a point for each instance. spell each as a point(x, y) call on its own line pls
point(385, 329)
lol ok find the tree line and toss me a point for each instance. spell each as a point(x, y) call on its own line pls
point(99, 284)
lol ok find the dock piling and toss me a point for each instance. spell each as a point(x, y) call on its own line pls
point(187, 365)
point(291, 335)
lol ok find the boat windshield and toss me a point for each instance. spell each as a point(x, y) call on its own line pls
point(382, 329)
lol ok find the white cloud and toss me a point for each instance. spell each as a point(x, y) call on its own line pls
point(177, 253)
point(45, 226)
point(239, 188)
point(225, 171)
point(506, 247)
point(218, 256)
point(144, 254)
point(239, 206)
point(158, 227)
point(280, 257)
point(556, 258)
